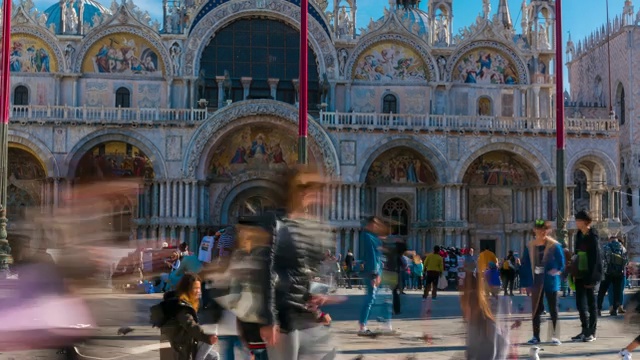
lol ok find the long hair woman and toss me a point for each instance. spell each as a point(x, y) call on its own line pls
point(485, 340)
point(181, 328)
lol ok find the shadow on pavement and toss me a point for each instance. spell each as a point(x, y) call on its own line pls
point(406, 350)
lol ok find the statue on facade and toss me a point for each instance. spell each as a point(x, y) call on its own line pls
point(442, 30)
point(68, 55)
point(442, 62)
point(343, 55)
point(175, 52)
point(70, 18)
point(486, 8)
point(324, 89)
point(408, 4)
point(344, 23)
point(42, 20)
point(543, 37)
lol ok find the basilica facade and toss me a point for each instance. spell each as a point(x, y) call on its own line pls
point(450, 136)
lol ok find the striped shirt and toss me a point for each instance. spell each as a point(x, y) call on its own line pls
point(226, 241)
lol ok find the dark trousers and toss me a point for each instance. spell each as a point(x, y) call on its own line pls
point(348, 272)
point(586, 304)
point(617, 281)
point(508, 278)
point(552, 301)
point(431, 281)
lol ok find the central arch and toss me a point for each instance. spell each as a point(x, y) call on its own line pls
point(241, 194)
point(219, 125)
point(282, 10)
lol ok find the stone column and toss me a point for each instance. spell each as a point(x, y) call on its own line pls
point(163, 199)
point(333, 201)
point(180, 185)
point(338, 240)
point(356, 242)
point(536, 102)
point(347, 100)
point(220, 82)
point(172, 234)
point(596, 204)
point(358, 199)
point(570, 202)
point(58, 87)
point(56, 193)
point(194, 199)
point(332, 94)
point(296, 87)
point(352, 201)
point(340, 202)
point(155, 199)
point(273, 87)
point(174, 198)
point(246, 86)
point(169, 93)
point(463, 204)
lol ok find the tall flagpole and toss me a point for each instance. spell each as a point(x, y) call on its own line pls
point(303, 125)
point(5, 88)
point(560, 133)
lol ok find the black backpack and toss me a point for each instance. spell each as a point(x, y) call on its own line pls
point(157, 315)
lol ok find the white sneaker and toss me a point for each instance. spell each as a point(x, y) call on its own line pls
point(625, 354)
point(556, 342)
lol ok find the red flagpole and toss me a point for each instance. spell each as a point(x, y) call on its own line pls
point(303, 125)
point(561, 217)
point(4, 70)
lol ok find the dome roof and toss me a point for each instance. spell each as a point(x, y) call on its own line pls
point(417, 21)
point(91, 8)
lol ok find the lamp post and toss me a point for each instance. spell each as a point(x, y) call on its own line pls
point(303, 125)
point(560, 134)
point(5, 87)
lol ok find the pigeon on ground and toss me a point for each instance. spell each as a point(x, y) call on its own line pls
point(533, 353)
point(124, 330)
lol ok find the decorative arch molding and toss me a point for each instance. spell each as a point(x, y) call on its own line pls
point(282, 10)
point(146, 34)
point(39, 149)
point(240, 184)
point(209, 133)
point(431, 154)
point(98, 137)
point(46, 37)
point(530, 156)
point(523, 72)
point(404, 38)
point(598, 157)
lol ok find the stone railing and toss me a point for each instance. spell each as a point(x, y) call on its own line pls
point(104, 115)
point(417, 122)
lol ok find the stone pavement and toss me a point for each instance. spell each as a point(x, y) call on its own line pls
point(444, 329)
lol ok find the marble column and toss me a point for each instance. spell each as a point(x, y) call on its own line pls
point(155, 199)
point(169, 92)
point(220, 82)
point(347, 100)
point(570, 202)
point(246, 86)
point(56, 193)
point(58, 89)
point(352, 202)
point(536, 102)
point(174, 198)
point(358, 199)
point(273, 87)
point(464, 204)
point(162, 201)
point(356, 242)
point(194, 199)
point(612, 203)
point(338, 240)
point(180, 186)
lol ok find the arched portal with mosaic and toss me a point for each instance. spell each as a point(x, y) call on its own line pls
point(400, 186)
point(503, 196)
point(27, 175)
point(112, 160)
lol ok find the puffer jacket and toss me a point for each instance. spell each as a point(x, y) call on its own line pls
point(181, 329)
point(298, 252)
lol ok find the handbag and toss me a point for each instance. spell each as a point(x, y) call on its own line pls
point(442, 282)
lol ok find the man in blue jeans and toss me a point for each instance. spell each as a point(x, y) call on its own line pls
point(371, 248)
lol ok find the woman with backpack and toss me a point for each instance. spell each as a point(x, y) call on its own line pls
point(615, 261)
point(508, 271)
point(179, 324)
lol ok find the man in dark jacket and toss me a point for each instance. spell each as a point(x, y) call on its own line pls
point(587, 270)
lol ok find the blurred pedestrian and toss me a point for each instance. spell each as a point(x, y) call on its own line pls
point(371, 247)
point(542, 264)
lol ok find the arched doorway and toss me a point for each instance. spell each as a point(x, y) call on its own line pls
point(256, 201)
point(400, 188)
point(116, 160)
point(504, 197)
point(26, 178)
point(591, 192)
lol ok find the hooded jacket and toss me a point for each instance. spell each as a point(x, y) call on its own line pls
point(553, 259)
point(181, 329)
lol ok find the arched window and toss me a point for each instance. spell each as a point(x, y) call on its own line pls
point(621, 108)
point(397, 211)
point(21, 95)
point(390, 104)
point(485, 108)
point(261, 49)
point(123, 97)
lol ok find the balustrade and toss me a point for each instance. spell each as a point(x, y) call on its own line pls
point(85, 114)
